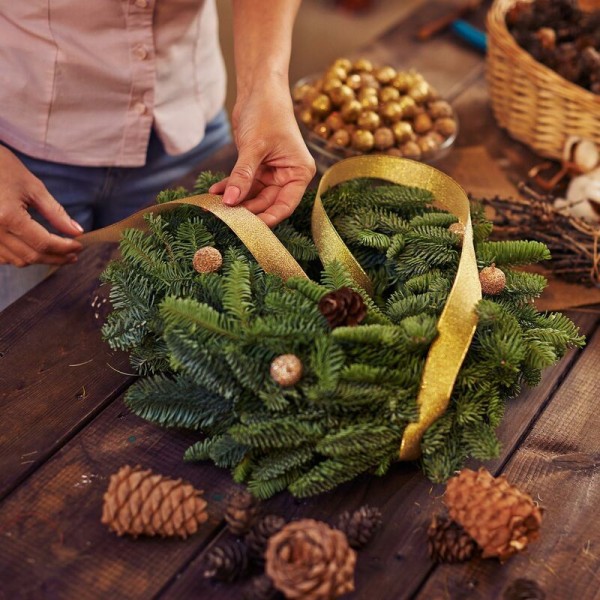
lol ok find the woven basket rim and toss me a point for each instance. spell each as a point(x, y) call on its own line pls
point(496, 24)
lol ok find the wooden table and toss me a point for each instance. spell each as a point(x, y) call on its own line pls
point(64, 430)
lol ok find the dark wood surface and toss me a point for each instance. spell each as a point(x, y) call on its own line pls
point(64, 430)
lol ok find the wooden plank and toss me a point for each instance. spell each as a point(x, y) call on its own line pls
point(53, 544)
point(55, 370)
point(396, 561)
point(559, 464)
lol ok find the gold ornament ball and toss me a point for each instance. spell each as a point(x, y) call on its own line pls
point(493, 280)
point(331, 84)
point(445, 126)
point(354, 81)
point(363, 64)
point(439, 109)
point(337, 73)
point(351, 110)
point(408, 106)
point(367, 91)
point(306, 116)
point(411, 150)
point(395, 152)
point(428, 144)
point(369, 80)
point(322, 130)
point(383, 138)
point(207, 260)
point(457, 229)
point(368, 120)
point(388, 94)
point(369, 102)
point(385, 74)
point(391, 111)
point(286, 370)
point(422, 123)
point(309, 95)
point(342, 63)
point(340, 138)
point(341, 95)
point(401, 82)
point(420, 92)
point(362, 140)
point(334, 121)
point(321, 105)
point(403, 131)
point(300, 91)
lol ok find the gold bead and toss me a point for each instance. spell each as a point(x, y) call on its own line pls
point(369, 80)
point(439, 109)
point(321, 105)
point(445, 126)
point(286, 370)
point(350, 110)
point(422, 123)
point(393, 151)
point(401, 82)
point(362, 140)
point(340, 138)
point(342, 63)
point(388, 94)
point(428, 144)
point(336, 72)
point(419, 92)
point(369, 102)
point(411, 150)
point(368, 120)
point(408, 106)
point(334, 121)
point(383, 138)
point(363, 64)
point(207, 260)
point(403, 131)
point(367, 91)
point(306, 117)
point(299, 91)
point(391, 111)
point(341, 95)
point(322, 130)
point(353, 81)
point(493, 280)
point(385, 74)
point(330, 84)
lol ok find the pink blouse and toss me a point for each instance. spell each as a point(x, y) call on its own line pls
point(83, 83)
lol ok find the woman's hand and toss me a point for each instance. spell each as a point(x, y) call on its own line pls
point(23, 241)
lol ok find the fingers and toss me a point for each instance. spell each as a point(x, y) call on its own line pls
point(284, 205)
point(41, 240)
point(239, 183)
point(53, 212)
point(20, 254)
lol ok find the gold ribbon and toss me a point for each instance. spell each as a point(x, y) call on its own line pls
point(458, 320)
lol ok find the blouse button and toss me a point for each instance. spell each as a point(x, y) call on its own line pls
point(140, 108)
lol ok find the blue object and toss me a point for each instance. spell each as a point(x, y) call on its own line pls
point(473, 36)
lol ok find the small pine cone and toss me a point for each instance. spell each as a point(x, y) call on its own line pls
point(258, 537)
point(360, 526)
point(241, 512)
point(498, 516)
point(309, 560)
point(207, 260)
point(343, 307)
point(139, 502)
point(448, 542)
point(493, 280)
point(261, 588)
point(227, 561)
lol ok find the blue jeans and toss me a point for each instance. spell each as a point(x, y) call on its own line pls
point(98, 196)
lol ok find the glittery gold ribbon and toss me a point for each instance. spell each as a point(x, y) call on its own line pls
point(458, 320)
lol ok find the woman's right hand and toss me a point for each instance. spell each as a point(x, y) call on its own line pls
point(23, 241)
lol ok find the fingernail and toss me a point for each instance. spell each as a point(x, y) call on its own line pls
point(77, 225)
point(231, 195)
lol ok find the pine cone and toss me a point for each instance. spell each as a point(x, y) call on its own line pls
point(448, 542)
point(241, 512)
point(343, 307)
point(261, 588)
point(139, 502)
point(360, 526)
point(310, 561)
point(258, 537)
point(498, 516)
point(227, 561)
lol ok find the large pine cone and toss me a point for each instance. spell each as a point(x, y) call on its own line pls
point(343, 307)
point(309, 560)
point(258, 537)
point(498, 516)
point(359, 526)
point(139, 502)
point(448, 542)
point(241, 512)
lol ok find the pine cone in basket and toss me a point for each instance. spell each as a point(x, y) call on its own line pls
point(258, 537)
point(226, 562)
point(448, 542)
point(241, 512)
point(138, 502)
point(309, 560)
point(343, 307)
point(359, 526)
point(498, 516)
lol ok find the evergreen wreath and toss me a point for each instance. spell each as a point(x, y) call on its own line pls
point(206, 341)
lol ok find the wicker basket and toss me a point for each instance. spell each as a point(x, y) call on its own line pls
point(533, 103)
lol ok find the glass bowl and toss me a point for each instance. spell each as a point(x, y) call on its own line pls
point(326, 153)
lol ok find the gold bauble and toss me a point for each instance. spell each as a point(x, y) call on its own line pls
point(457, 229)
point(408, 106)
point(445, 126)
point(369, 102)
point(362, 140)
point(369, 80)
point(336, 72)
point(322, 130)
point(428, 144)
point(350, 110)
point(385, 74)
point(383, 138)
point(309, 95)
point(388, 94)
point(354, 81)
point(207, 260)
point(411, 150)
point(342, 63)
point(368, 120)
point(419, 92)
point(422, 123)
point(340, 138)
point(493, 280)
point(321, 105)
point(393, 151)
point(439, 109)
point(331, 83)
point(334, 121)
point(286, 370)
point(403, 131)
point(366, 91)
point(391, 111)
point(402, 81)
point(299, 92)
point(363, 64)
point(306, 116)
point(341, 95)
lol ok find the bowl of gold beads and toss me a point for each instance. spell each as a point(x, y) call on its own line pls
point(357, 108)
